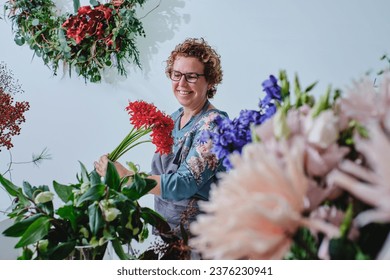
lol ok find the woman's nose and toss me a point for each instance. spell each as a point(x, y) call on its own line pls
point(182, 80)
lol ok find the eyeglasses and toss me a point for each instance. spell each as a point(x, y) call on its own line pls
point(190, 77)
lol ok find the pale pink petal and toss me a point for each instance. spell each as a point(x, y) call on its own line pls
point(361, 101)
point(315, 163)
point(377, 151)
point(363, 191)
point(370, 216)
point(320, 225)
point(358, 171)
point(323, 250)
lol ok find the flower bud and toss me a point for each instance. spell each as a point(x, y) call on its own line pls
point(102, 241)
point(281, 129)
point(323, 130)
point(42, 245)
point(84, 232)
point(94, 242)
point(44, 197)
point(110, 214)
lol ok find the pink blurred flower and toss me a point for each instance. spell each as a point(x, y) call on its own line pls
point(334, 216)
point(368, 184)
point(256, 208)
point(365, 102)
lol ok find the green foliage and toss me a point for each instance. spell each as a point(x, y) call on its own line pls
point(304, 246)
point(36, 23)
point(94, 211)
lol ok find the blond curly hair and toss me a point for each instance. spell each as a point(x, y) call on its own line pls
point(200, 49)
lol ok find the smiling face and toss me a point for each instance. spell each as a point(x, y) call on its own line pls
point(191, 96)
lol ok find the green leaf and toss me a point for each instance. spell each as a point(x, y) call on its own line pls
point(342, 249)
point(28, 190)
point(139, 187)
point(27, 254)
point(19, 228)
point(310, 87)
point(94, 193)
point(64, 192)
point(95, 178)
point(322, 104)
point(94, 3)
point(133, 167)
point(19, 41)
point(67, 212)
point(14, 191)
point(9, 186)
point(119, 249)
point(95, 218)
point(84, 173)
point(61, 251)
point(35, 232)
point(155, 219)
point(112, 178)
point(76, 5)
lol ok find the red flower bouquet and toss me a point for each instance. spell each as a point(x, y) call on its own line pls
point(89, 22)
point(146, 118)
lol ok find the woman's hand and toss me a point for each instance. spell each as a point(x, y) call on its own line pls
point(122, 171)
point(101, 167)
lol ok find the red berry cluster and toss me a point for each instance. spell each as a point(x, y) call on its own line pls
point(11, 117)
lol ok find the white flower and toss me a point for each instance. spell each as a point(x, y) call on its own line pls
point(44, 197)
point(256, 208)
point(84, 187)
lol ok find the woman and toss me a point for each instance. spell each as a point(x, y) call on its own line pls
point(184, 177)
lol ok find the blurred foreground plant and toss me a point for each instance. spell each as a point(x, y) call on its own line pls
point(93, 213)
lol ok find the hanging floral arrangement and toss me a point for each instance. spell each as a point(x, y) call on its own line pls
point(95, 37)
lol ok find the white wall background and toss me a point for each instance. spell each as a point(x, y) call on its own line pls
point(332, 41)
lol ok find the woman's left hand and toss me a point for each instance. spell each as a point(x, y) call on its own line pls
point(101, 165)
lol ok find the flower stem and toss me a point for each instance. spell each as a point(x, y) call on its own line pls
point(128, 143)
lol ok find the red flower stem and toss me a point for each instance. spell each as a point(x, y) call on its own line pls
point(129, 148)
point(125, 145)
